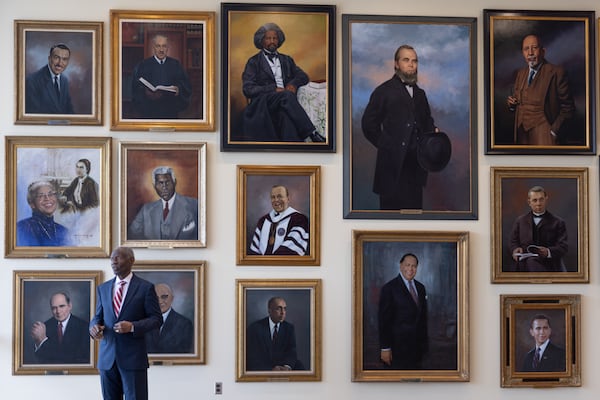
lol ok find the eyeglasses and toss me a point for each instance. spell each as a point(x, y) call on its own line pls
point(164, 296)
point(49, 195)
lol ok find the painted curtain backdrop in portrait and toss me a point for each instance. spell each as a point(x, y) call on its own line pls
point(59, 165)
point(306, 41)
point(298, 302)
point(258, 195)
point(36, 307)
point(80, 70)
point(444, 73)
point(565, 42)
point(437, 271)
point(562, 202)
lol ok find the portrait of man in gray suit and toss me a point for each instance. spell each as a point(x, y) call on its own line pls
point(172, 217)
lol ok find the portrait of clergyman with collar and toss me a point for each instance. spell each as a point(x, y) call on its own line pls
point(539, 225)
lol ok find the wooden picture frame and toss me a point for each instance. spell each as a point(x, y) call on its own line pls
point(62, 225)
point(309, 35)
point(566, 82)
point(300, 331)
point(442, 286)
point(294, 220)
point(566, 225)
point(51, 296)
point(182, 337)
point(77, 98)
point(529, 320)
point(445, 46)
point(143, 222)
point(190, 61)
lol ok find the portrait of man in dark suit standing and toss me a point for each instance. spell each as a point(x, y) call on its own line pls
point(126, 310)
point(63, 338)
point(402, 316)
point(544, 356)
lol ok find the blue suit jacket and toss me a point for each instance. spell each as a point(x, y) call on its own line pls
point(181, 223)
point(40, 96)
point(139, 307)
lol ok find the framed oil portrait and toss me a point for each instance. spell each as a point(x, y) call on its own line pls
point(439, 172)
point(59, 72)
point(539, 82)
point(181, 290)
point(50, 322)
point(540, 225)
point(163, 68)
point(296, 114)
point(163, 194)
point(278, 215)
point(540, 340)
point(58, 196)
point(411, 308)
point(278, 330)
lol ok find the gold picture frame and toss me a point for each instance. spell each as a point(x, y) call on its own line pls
point(301, 332)
point(567, 196)
point(191, 53)
point(185, 327)
point(255, 213)
point(443, 307)
point(70, 226)
point(82, 101)
point(34, 295)
point(141, 216)
point(527, 320)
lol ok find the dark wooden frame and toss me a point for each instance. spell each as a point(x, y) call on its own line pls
point(504, 31)
point(452, 192)
point(239, 21)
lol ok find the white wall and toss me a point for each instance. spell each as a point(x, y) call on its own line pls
point(192, 382)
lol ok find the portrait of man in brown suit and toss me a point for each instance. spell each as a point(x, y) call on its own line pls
point(541, 100)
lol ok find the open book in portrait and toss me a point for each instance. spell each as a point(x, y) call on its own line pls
point(150, 86)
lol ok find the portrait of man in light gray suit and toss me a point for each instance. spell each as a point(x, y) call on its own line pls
point(172, 217)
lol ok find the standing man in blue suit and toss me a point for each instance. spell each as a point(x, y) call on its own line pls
point(47, 89)
point(126, 309)
point(172, 217)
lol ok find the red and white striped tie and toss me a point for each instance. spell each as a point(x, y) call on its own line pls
point(118, 299)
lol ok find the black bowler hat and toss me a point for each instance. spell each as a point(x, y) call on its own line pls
point(434, 151)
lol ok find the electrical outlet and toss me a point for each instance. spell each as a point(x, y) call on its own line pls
point(218, 388)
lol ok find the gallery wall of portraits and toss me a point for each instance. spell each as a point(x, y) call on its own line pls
point(342, 199)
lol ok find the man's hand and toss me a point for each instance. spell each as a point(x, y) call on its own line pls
point(97, 332)
point(290, 88)
point(386, 357)
point(123, 327)
point(515, 254)
point(282, 368)
point(38, 332)
point(541, 251)
point(512, 102)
